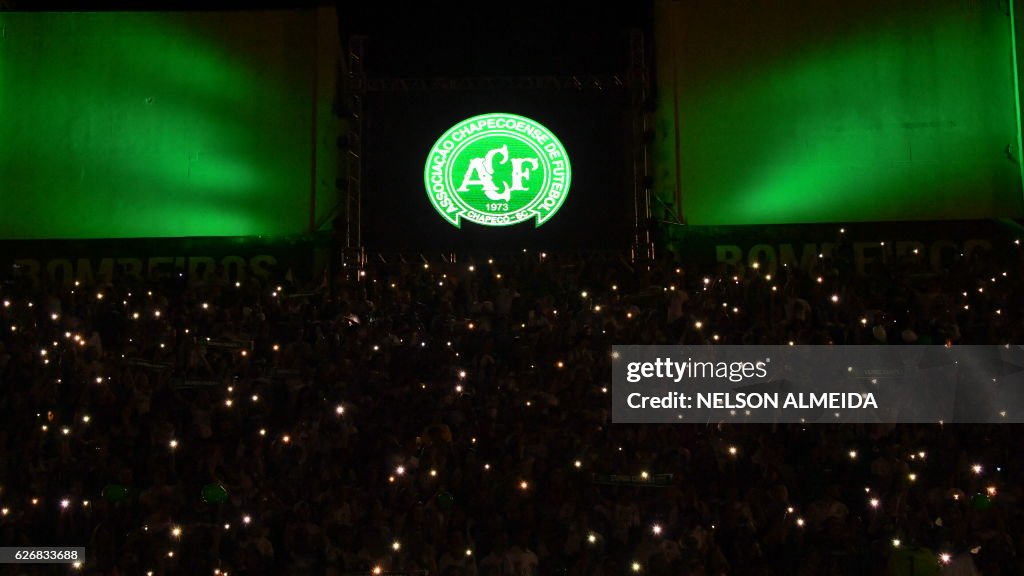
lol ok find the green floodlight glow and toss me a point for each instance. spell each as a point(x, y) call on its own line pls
point(497, 170)
point(835, 112)
point(157, 124)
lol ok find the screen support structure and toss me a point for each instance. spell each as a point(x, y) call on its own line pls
point(640, 103)
point(355, 88)
point(637, 80)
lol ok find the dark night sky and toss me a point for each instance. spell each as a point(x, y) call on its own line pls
point(451, 38)
point(532, 37)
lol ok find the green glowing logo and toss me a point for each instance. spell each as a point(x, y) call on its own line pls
point(497, 170)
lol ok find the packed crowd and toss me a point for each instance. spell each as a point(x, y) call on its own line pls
point(453, 418)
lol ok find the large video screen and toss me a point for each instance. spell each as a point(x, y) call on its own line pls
point(465, 170)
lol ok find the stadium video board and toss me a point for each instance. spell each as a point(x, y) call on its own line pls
point(461, 170)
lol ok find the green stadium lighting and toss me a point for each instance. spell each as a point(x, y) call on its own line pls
point(497, 170)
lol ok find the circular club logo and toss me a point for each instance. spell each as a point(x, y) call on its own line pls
point(497, 170)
